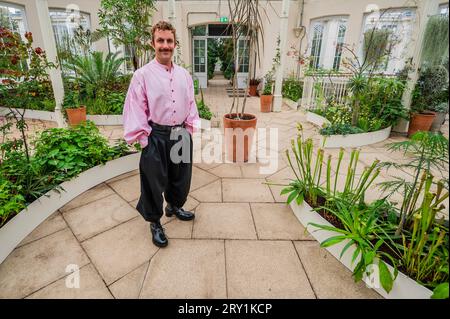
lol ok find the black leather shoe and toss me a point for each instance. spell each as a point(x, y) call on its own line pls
point(158, 236)
point(179, 212)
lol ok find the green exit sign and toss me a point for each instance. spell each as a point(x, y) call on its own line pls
point(223, 19)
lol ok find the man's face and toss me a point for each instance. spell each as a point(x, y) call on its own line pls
point(164, 44)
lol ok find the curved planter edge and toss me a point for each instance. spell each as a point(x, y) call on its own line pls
point(32, 114)
point(316, 119)
point(105, 119)
point(291, 104)
point(15, 230)
point(356, 140)
point(403, 288)
point(351, 140)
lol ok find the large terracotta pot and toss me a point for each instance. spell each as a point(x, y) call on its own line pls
point(252, 90)
point(76, 116)
point(238, 136)
point(420, 122)
point(266, 103)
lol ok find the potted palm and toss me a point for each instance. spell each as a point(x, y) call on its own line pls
point(239, 126)
point(266, 96)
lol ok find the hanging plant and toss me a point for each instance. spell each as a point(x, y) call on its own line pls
point(435, 43)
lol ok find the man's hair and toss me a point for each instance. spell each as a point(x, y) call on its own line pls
point(163, 26)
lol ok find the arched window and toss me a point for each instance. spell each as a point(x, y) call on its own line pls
point(398, 24)
point(65, 24)
point(327, 37)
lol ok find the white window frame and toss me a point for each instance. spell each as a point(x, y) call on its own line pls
point(443, 9)
point(402, 21)
point(326, 53)
point(22, 27)
point(69, 26)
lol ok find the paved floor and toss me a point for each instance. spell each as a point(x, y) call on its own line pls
point(244, 243)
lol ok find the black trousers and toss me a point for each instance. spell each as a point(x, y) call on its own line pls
point(161, 170)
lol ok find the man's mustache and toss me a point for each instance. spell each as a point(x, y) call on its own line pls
point(165, 50)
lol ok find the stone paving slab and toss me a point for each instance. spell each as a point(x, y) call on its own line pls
point(51, 225)
point(224, 220)
point(209, 193)
point(277, 221)
point(201, 178)
point(91, 286)
point(130, 285)
point(265, 269)
point(189, 269)
point(129, 188)
point(95, 193)
point(96, 217)
point(33, 266)
point(331, 279)
point(246, 190)
point(121, 249)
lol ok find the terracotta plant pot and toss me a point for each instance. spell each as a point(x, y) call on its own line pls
point(238, 136)
point(266, 103)
point(420, 122)
point(252, 90)
point(76, 116)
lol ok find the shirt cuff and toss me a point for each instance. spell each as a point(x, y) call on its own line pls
point(143, 140)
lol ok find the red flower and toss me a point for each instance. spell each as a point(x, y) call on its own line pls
point(14, 59)
point(29, 36)
point(38, 50)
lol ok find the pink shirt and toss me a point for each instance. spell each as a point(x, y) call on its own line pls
point(164, 96)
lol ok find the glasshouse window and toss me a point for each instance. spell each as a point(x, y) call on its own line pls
point(443, 9)
point(326, 41)
point(392, 30)
point(65, 24)
point(13, 17)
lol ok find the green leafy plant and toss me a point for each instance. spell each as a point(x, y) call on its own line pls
point(431, 89)
point(292, 89)
point(340, 129)
point(427, 151)
point(435, 41)
point(126, 22)
point(363, 228)
point(95, 71)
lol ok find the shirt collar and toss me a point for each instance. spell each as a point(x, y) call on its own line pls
point(155, 61)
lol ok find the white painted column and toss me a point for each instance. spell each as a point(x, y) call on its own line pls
point(277, 97)
point(173, 22)
point(50, 49)
point(417, 37)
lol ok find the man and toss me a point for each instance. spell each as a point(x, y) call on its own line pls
point(160, 113)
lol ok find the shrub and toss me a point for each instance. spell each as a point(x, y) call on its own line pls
point(292, 89)
point(203, 110)
point(340, 129)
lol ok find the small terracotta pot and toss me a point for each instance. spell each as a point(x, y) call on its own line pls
point(252, 90)
point(76, 116)
point(420, 122)
point(239, 136)
point(266, 103)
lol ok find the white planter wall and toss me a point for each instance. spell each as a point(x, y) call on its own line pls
point(316, 119)
point(15, 230)
point(356, 140)
point(350, 140)
point(403, 288)
point(32, 114)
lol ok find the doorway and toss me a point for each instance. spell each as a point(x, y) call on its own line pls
point(212, 55)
